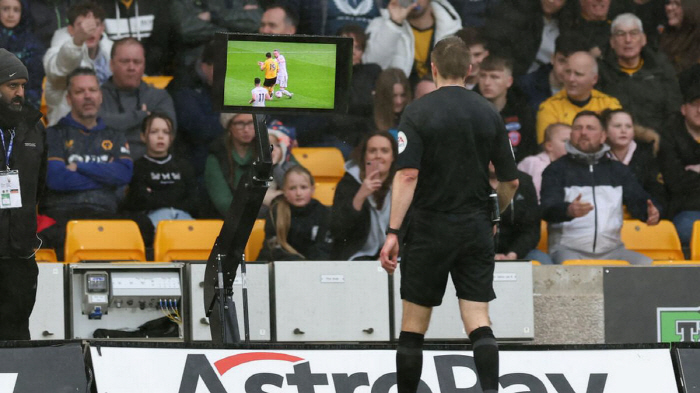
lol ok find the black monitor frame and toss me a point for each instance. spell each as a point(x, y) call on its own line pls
point(343, 72)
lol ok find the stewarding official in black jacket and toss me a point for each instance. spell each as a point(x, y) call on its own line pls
point(22, 178)
point(679, 159)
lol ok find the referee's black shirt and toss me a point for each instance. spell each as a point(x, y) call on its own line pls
point(450, 135)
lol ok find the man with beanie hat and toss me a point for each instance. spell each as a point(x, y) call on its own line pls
point(22, 177)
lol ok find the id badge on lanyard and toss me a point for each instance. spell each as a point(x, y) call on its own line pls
point(10, 195)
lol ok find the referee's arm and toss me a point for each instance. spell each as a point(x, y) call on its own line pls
point(402, 191)
point(506, 191)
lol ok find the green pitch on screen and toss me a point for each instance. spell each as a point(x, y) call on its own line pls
point(311, 70)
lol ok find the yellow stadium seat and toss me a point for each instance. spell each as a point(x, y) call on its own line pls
point(536, 263)
point(326, 164)
point(657, 242)
point(255, 241)
point(325, 191)
point(676, 262)
point(103, 240)
point(595, 262)
point(46, 255)
point(159, 82)
point(695, 242)
point(542, 245)
point(185, 240)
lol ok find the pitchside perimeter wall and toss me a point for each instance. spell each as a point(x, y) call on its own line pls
point(569, 304)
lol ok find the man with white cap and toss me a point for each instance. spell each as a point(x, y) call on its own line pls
point(22, 177)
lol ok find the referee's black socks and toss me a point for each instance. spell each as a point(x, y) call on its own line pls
point(409, 362)
point(485, 357)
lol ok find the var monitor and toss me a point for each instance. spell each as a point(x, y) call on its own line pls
point(282, 74)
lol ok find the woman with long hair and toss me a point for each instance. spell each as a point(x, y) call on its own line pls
point(230, 158)
point(680, 39)
point(362, 201)
point(391, 95)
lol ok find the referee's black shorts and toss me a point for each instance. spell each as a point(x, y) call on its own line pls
point(438, 244)
point(269, 82)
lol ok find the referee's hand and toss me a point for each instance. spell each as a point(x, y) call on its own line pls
point(390, 252)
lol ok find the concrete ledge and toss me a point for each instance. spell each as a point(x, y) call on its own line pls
point(568, 303)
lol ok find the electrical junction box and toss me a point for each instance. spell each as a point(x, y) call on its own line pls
point(125, 296)
point(145, 289)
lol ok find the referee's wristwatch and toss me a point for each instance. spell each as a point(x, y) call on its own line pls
point(392, 230)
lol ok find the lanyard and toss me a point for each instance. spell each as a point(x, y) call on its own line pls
point(8, 149)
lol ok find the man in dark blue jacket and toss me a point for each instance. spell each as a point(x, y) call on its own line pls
point(88, 161)
point(582, 197)
point(23, 161)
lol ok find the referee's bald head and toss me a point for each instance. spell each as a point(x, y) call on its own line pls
point(451, 57)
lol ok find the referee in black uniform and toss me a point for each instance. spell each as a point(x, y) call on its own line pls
point(446, 140)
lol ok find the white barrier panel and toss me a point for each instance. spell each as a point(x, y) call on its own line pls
point(134, 370)
point(48, 317)
point(331, 301)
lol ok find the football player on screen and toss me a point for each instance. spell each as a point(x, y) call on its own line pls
point(282, 76)
point(260, 94)
point(270, 67)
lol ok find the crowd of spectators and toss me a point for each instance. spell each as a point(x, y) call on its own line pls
point(121, 148)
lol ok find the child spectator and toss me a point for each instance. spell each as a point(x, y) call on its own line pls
point(16, 36)
point(163, 187)
point(297, 225)
point(635, 151)
point(80, 44)
point(555, 138)
point(281, 163)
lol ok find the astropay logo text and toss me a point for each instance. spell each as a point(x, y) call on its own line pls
point(450, 370)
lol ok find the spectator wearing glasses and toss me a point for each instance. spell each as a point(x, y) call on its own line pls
point(230, 159)
point(640, 78)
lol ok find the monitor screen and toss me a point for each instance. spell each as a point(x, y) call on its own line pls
point(282, 74)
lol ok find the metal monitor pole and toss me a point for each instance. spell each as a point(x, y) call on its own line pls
point(228, 250)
